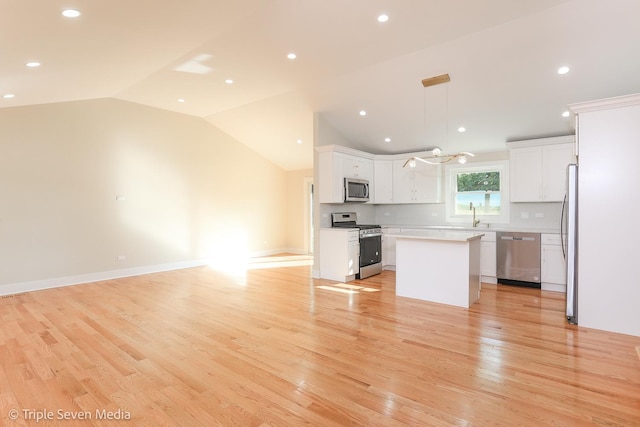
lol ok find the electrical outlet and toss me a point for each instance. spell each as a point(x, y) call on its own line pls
point(524, 215)
point(120, 197)
point(539, 214)
point(122, 257)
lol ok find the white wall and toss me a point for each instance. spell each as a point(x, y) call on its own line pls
point(608, 207)
point(191, 193)
point(296, 212)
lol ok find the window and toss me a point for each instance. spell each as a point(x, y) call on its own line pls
point(478, 189)
point(481, 185)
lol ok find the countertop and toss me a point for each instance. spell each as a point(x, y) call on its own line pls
point(480, 229)
point(448, 236)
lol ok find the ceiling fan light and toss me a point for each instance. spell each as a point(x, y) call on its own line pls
point(436, 151)
point(462, 159)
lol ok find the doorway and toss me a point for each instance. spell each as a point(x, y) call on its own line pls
point(308, 215)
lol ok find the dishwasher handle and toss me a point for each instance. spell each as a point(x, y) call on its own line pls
point(530, 239)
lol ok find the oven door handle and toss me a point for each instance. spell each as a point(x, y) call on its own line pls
point(366, 236)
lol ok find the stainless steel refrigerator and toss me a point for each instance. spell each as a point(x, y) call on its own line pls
point(569, 229)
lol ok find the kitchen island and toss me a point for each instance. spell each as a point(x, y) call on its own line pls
point(441, 266)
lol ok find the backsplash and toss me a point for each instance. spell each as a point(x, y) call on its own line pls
point(535, 215)
point(526, 215)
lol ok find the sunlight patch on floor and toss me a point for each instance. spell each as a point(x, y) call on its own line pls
point(279, 261)
point(347, 289)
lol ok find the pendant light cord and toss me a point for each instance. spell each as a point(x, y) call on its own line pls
point(447, 119)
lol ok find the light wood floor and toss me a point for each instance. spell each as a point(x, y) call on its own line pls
point(196, 348)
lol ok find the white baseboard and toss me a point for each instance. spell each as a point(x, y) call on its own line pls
point(57, 282)
point(295, 251)
point(553, 287)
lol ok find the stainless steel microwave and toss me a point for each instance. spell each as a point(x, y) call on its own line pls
point(356, 190)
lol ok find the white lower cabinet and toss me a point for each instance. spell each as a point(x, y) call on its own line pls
point(389, 249)
point(488, 257)
point(487, 251)
point(553, 268)
point(339, 254)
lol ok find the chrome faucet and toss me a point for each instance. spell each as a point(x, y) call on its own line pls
point(473, 208)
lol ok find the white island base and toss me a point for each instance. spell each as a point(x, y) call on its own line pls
point(439, 266)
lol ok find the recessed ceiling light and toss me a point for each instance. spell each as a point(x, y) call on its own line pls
point(383, 18)
point(71, 13)
point(180, 99)
point(387, 140)
point(565, 114)
point(563, 70)
point(363, 113)
point(462, 129)
point(298, 141)
point(229, 81)
point(8, 96)
point(292, 55)
point(33, 64)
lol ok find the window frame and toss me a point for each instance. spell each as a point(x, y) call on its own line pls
point(451, 172)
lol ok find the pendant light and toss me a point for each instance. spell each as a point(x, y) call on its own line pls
point(436, 157)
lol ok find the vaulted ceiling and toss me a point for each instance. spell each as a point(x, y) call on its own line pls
point(502, 57)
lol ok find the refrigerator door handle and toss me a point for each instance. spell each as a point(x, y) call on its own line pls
point(564, 203)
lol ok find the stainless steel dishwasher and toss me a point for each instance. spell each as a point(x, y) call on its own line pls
point(518, 258)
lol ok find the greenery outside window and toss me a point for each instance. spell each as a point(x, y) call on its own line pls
point(482, 189)
point(485, 185)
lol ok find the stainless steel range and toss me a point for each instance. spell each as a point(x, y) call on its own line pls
point(370, 242)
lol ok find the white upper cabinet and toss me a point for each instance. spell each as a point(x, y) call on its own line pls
point(334, 166)
point(356, 167)
point(538, 168)
point(555, 159)
point(526, 174)
point(383, 180)
point(421, 184)
point(389, 181)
